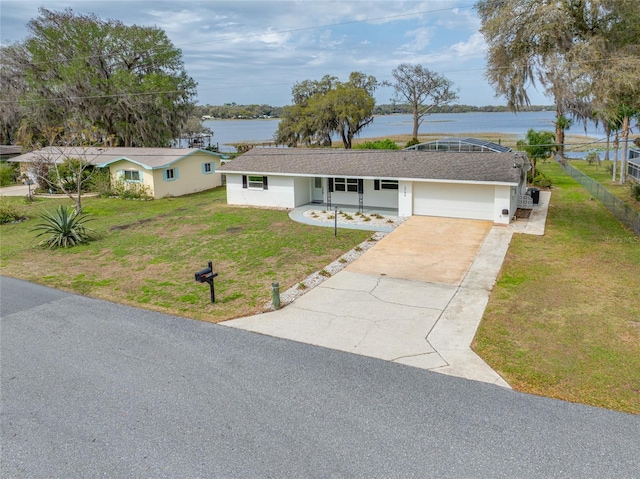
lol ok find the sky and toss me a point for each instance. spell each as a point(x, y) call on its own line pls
point(253, 52)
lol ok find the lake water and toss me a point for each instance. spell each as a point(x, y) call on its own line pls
point(251, 131)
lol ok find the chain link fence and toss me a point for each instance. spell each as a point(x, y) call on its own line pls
point(626, 214)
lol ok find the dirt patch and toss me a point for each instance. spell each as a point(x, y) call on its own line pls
point(522, 214)
point(234, 229)
point(130, 225)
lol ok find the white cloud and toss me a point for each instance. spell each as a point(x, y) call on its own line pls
point(475, 46)
point(421, 39)
point(234, 48)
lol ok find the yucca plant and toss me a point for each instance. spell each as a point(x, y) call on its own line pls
point(63, 228)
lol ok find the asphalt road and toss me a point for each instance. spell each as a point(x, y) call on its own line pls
point(94, 389)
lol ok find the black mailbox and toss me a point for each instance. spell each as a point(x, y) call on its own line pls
point(206, 276)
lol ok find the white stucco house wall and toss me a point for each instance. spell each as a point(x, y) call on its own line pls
point(165, 171)
point(475, 185)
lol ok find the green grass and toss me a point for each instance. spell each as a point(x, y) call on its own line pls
point(602, 176)
point(145, 253)
point(563, 319)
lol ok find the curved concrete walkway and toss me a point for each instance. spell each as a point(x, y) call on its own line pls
point(415, 298)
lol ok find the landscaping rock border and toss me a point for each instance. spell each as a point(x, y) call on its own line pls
point(319, 277)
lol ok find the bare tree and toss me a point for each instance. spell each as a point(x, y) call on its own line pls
point(67, 164)
point(422, 89)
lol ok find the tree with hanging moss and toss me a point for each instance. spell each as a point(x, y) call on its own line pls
point(585, 54)
point(129, 82)
point(326, 107)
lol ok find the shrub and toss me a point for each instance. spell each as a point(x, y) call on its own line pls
point(541, 180)
point(411, 142)
point(64, 177)
point(10, 211)
point(63, 228)
point(593, 158)
point(385, 144)
point(8, 174)
point(635, 191)
point(131, 191)
point(100, 182)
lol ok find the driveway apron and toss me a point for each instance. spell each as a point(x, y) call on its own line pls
point(415, 298)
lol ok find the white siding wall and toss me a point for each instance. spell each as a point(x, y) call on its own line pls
point(514, 201)
point(502, 201)
point(405, 198)
point(302, 188)
point(280, 193)
point(379, 198)
point(344, 198)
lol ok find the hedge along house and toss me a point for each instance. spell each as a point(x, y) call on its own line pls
point(476, 185)
point(165, 171)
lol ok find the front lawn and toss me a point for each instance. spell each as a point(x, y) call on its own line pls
point(146, 253)
point(564, 317)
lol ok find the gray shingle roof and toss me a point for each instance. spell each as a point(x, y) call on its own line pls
point(385, 164)
point(150, 158)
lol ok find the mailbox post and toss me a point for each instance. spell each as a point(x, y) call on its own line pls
point(206, 276)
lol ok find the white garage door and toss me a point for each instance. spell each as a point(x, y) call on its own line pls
point(453, 201)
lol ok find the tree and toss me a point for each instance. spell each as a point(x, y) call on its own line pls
point(585, 52)
point(129, 82)
point(538, 145)
point(326, 107)
point(422, 89)
point(66, 164)
point(12, 85)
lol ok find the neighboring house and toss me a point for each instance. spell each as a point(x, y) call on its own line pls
point(633, 163)
point(165, 171)
point(483, 186)
point(460, 144)
point(9, 151)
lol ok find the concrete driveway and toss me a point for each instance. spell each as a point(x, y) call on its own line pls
point(17, 190)
point(415, 298)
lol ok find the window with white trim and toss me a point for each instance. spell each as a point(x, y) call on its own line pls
point(131, 175)
point(255, 182)
point(169, 174)
point(345, 184)
point(388, 184)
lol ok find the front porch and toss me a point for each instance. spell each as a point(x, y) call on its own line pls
point(390, 219)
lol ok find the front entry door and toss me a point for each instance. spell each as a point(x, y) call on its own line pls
point(317, 191)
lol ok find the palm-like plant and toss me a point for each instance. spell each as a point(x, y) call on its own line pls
point(63, 228)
